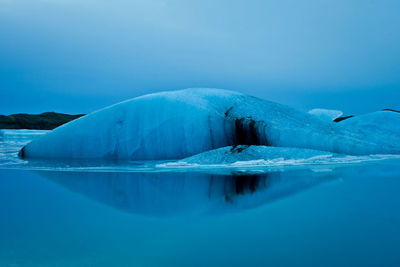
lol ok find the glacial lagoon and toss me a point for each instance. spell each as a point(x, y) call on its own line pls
point(92, 213)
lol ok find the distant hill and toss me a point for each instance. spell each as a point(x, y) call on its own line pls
point(44, 121)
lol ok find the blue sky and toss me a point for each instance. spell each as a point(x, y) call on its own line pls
point(76, 56)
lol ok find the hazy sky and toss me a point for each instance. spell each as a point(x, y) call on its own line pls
point(79, 55)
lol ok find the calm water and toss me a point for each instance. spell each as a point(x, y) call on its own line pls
point(345, 215)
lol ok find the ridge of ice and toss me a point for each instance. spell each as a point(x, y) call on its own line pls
point(263, 156)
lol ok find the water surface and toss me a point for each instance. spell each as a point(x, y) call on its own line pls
point(134, 214)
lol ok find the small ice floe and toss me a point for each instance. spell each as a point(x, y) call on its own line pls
point(265, 156)
point(326, 114)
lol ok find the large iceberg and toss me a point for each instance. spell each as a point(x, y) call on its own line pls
point(178, 124)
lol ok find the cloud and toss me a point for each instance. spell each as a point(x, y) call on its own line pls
point(124, 48)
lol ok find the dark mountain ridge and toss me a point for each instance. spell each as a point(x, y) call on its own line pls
point(43, 121)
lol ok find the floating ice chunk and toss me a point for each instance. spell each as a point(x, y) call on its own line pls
point(263, 156)
point(7, 135)
point(326, 114)
point(240, 155)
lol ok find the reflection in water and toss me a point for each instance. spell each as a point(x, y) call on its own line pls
point(185, 194)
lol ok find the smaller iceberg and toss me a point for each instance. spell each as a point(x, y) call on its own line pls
point(379, 127)
point(326, 114)
point(375, 124)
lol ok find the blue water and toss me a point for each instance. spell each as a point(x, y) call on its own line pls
point(345, 215)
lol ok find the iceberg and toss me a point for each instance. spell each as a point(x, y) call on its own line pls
point(179, 124)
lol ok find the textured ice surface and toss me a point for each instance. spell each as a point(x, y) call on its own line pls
point(232, 154)
point(267, 156)
point(178, 124)
point(376, 126)
point(326, 114)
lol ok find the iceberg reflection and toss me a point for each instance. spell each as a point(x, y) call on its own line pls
point(181, 194)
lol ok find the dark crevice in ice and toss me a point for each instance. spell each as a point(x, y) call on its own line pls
point(211, 133)
point(250, 132)
point(339, 119)
point(389, 109)
point(247, 131)
point(21, 153)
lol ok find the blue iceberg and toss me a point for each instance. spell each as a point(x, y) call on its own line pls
point(179, 124)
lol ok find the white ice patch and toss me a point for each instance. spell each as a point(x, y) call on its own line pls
point(326, 114)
